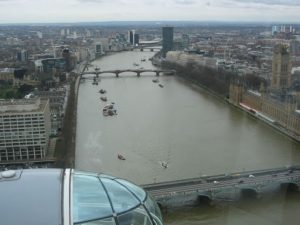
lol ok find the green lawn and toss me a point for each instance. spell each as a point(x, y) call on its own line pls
point(8, 92)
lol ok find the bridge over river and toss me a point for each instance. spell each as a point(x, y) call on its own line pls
point(225, 187)
point(138, 72)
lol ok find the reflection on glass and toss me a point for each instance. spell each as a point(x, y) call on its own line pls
point(139, 192)
point(108, 221)
point(136, 217)
point(153, 207)
point(122, 199)
point(103, 200)
point(89, 199)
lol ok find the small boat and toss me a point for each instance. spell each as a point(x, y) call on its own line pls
point(121, 157)
point(155, 80)
point(161, 85)
point(103, 98)
point(102, 91)
point(109, 110)
point(143, 60)
point(164, 164)
point(135, 64)
point(95, 81)
point(105, 112)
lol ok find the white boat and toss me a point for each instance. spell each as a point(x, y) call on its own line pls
point(109, 110)
point(164, 164)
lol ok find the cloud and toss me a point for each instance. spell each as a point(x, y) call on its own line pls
point(97, 1)
point(270, 2)
point(184, 2)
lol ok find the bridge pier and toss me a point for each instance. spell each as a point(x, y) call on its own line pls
point(117, 75)
point(138, 74)
point(142, 49)
point(157, 73)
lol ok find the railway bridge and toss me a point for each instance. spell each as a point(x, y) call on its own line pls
point(225, 187)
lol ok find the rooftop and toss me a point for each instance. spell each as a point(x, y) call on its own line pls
point(22, 105)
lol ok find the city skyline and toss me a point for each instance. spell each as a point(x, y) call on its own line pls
point(69, 11)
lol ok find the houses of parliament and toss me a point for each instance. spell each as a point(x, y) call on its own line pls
point(279, 102)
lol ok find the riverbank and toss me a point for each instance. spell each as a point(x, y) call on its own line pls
point(65, 144)
point(278, 128)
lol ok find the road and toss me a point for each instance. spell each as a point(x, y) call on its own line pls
point(244, 180)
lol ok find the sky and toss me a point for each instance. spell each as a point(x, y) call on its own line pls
point(43, 11)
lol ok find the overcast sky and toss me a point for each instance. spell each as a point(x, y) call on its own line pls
point(16, 11)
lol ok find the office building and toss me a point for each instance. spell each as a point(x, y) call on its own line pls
point(22, 56)
point(281, 67)
point(133, 38)
point(136, 39)
point(131, 35)
point(98, 49)
point(167, 35)
point(24, 129)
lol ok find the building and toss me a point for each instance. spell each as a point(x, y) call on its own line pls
point(24, 129)
point(57, 104)
point(167, 35)
point(98, 49)
point(281, 67)
point(22, 56)
point(136, 39)
point(133, 38)
point(67, 197)
point(51, 65)
point(278, 111)
point(7, 76)
point(183, 58)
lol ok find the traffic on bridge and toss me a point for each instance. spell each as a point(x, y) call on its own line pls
point(229, 187)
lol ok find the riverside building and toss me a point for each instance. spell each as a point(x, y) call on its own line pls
point(24, 129)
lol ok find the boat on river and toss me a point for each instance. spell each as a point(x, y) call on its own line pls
point(155, 80)
point(103, 98)
point(102, 91)
point(164, 164)
point(109, 110)
point(161, 85)
point(95, 81)
point(121, 157)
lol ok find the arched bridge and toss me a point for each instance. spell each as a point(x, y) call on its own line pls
point(145, 48)
point(225, 187)
point(137, 71)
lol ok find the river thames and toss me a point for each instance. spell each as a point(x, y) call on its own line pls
point(183, 126)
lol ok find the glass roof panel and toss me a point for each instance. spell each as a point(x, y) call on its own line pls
point(135, 217)
point(139, 192)
point(152, 206)
point(121, 198)
point(90, 200)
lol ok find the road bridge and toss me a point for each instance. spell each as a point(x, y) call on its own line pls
point(138, 72)
point(224, 187)
point(145, 48)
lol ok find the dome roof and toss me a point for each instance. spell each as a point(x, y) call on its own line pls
point(98, 197)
